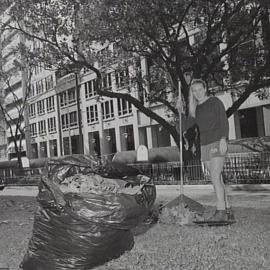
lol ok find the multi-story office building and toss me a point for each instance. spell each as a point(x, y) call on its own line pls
point(107, 125)
point(112, 125)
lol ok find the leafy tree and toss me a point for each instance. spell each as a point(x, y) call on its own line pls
point(70, 34)
point(183, 38)
point(14, 105)
point(224, 42)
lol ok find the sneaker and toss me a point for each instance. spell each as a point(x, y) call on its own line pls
point(230, 215)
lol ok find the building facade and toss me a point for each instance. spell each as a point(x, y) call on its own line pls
point(113, 125)
point(107, 125)
point(12, 92)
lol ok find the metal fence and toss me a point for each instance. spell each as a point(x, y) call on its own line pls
point(244, 168)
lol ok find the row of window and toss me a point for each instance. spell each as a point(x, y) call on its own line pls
point(121, 79)
point(69, 120)
point(124, 108)
point(43, 149)
point(38, 69)
point(41, 86)
point(39, 106)
point(70, 144)
point(39, 128)
point(67, 97)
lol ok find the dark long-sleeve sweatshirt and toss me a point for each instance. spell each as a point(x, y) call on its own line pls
point(212, 120)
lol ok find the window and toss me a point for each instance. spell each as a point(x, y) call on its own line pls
point(92, 114)
point(107, 81)
point(49, 82)
point(90, 89)
point(38, 69)
point(43, 149)
point(248, 120)
point(53, 148)
point(67, 97)
point(69, 120)
point(32, 110)
point(63, 99)
point(71, 95)
point(67, 146)
point(127, 138)
point(39, 87)
point(31, 90)
point(107, 109)
point(50, 104)
point(40, 107)
point(42, 127)
point(73, 120)
point(122, 78)
point(124, 107)
point(34, 150)
point(111, 139)
point(65, 121)
point(94, 143)
point(51, 125)
point(33, 130)
point(160, 136)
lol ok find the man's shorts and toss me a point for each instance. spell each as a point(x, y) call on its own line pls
point(210, 151)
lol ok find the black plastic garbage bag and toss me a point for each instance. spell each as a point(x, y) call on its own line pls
point(85, 217)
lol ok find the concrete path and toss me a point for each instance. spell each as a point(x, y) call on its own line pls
point(205, 193)
point(31, 191)
point(164, 192)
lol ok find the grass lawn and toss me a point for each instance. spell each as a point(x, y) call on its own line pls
point(244, 245)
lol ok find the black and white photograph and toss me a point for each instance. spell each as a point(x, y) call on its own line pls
point(134, 134)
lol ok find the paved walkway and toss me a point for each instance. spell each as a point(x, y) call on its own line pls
point(164, 192)
point(31, 191)
point(203, 193)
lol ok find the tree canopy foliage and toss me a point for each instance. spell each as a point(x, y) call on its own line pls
point(224, 42)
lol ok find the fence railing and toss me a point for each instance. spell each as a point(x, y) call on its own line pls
point(244, 168)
